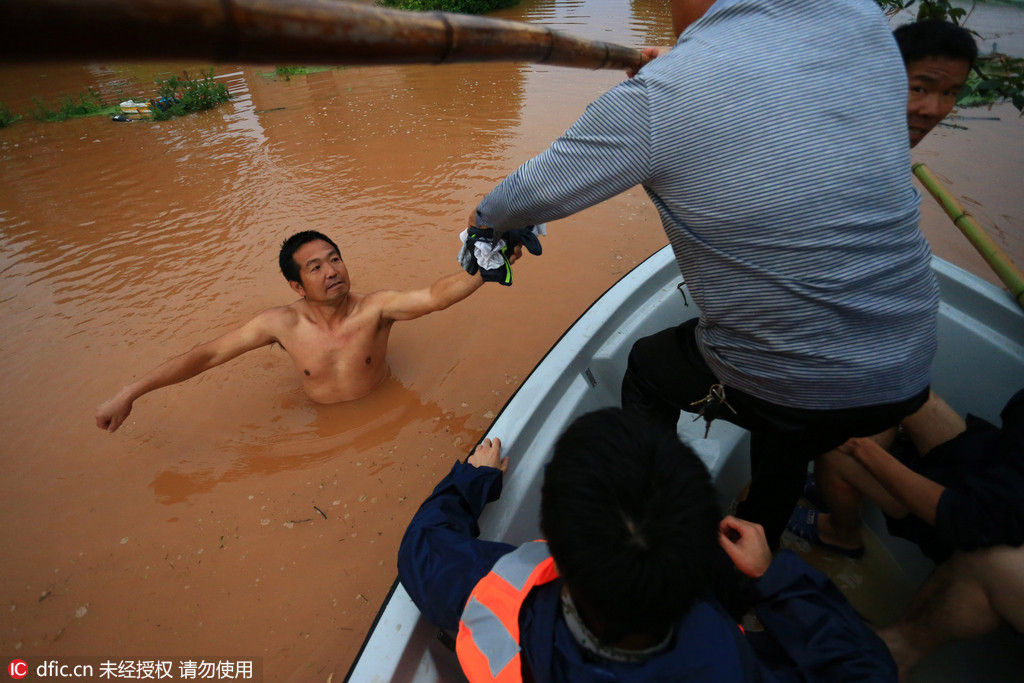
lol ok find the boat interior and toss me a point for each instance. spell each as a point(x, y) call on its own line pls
point(980, 364)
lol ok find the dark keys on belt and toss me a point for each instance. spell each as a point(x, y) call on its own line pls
point(711, 406)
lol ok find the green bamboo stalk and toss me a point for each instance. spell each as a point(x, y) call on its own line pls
point(996, 258)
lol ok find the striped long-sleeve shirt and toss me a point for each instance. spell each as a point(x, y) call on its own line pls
point(772, 139)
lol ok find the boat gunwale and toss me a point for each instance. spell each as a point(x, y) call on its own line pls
point(965, 288)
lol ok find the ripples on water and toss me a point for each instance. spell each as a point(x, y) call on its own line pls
point(122, 244)
point(156, 235)
point(95, 213)
point(145, 238)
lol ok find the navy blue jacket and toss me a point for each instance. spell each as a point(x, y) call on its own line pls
point(812, 633)
point(983, 504)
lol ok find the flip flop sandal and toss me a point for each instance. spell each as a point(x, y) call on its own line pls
point(803, 523)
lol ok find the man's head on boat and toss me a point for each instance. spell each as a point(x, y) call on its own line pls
point(312, 264)
point(685, 12)
point(631, 519)
point(938, 56)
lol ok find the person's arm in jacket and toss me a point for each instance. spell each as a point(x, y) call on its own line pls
point(822, 635)
point(440, 559)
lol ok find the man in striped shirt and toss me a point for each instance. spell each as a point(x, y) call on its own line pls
point(771, 139)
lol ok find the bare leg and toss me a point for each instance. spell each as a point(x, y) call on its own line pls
point(935, 423)
point(843, 483)
point(966, 597)
point(1001, 571)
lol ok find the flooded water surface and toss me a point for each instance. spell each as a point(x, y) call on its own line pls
point(230, 516)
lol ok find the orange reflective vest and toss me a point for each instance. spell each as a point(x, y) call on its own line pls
point(488, 641)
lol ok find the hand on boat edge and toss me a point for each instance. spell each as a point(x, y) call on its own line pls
point(488, 454)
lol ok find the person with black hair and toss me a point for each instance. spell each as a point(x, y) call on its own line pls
point(626, 585)
point(337, 338)
point(938, 56)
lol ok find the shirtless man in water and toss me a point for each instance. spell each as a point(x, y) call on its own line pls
point(337, 339)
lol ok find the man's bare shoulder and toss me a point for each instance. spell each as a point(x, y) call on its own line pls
point(372, 303)
point(278, 317)
point(375, 299)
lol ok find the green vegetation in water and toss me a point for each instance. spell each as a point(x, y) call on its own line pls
point(286, 72)
point(89, 104)
point(7, 117)
point(994, 77)
point(460, 6)
point(176, 97)
point(181, 96)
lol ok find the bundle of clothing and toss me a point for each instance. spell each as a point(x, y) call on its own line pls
point(487, 253)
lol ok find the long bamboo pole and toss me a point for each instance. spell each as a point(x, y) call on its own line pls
point(284, 32)
point(990, 251)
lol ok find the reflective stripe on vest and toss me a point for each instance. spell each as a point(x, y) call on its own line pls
point(488, 639)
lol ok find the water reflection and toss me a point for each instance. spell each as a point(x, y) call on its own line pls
point(391, 142)
point(119, 206)
point(651, 22)
point(167, 232)
point(121, 244)
point(360, 431)
point(347, 146)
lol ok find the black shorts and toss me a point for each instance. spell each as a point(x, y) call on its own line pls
point(669, 369)
point(949, 464)
point(667, 373)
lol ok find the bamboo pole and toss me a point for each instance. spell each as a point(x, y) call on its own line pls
point(284, 32)
point(1000, 263)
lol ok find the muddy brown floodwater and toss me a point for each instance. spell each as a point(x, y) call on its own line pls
point(192, 531)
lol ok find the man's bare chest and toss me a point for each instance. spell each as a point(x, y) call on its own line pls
point(315, 348)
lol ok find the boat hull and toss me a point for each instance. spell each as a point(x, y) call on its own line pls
point(979, 365)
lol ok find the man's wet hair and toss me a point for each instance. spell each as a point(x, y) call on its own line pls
point(631, 519)
point(935, 38)
point(286, 258)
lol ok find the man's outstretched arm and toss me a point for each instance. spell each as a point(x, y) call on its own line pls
point(254, 334)
point(444, 292)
